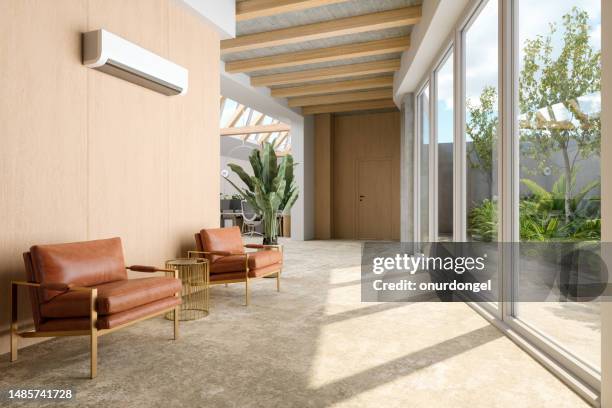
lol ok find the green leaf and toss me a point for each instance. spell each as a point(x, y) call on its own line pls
point(269, 167)
point(256, 164)
point(280, 176)
point(289, 203)
point(536, 189)
point(246, 179)
point(585, 190)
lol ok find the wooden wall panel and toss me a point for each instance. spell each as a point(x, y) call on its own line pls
point(43, 128)
point(86, 155)
point(323, 175)
point(194, 190)
point(359, 137)
point(128, 138)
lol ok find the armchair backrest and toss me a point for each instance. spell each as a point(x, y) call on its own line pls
point(85, 263)
point(221, 239)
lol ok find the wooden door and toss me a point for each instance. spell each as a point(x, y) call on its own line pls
point(374, 196)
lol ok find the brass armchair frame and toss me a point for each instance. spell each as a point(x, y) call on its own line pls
point(93, 332)
point(246, 267)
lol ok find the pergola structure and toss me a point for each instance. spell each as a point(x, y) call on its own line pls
point(325, 56)
point(577, 113)
point(240, 121)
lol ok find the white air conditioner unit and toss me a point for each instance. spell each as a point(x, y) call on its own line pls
point(109, 53)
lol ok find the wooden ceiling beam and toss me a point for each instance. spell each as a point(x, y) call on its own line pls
point(349, 107)
point(342, 71)
point(340, 52)
point(334, 87)
point(249, 130)
point(343, 26)
point(280, 139)
point(341, 97)
point(249, 9)
point(236, 116)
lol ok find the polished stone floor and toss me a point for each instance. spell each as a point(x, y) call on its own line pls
point(312, 345)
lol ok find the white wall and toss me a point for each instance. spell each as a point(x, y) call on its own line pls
point(226, 187)
point(426, 40)
point(302, 145)
point(220, 14)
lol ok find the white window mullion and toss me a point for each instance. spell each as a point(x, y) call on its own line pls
point(417, 171)
point(459, 150)
point(433, 160)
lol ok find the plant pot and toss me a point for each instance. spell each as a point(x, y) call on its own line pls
point(286, 225)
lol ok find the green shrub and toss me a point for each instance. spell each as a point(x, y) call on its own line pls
point(542, 215)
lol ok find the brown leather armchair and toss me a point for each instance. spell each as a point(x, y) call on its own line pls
point(82, 289)
point(230, 263)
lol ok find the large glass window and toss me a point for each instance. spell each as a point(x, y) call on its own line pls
point(481, 119)
point(445, 135)
point(559, 165)
point(424, 179)
point(480, 42)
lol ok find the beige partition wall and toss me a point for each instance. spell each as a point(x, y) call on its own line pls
point(85, 155)
point(357, 176)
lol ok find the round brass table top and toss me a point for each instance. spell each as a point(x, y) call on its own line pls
point(186, 261)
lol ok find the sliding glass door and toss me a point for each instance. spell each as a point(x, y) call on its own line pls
point(481, 139)
point(444, 110)
point(558, 139)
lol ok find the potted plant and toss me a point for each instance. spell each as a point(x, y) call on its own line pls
point(270, 190)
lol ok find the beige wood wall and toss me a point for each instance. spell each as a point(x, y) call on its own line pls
point(85, 155)
point(353, 137)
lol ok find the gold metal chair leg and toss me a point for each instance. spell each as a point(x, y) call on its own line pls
point(94, 354)
point(278, 282)
point(176, 322)
point(93, 320)
point(14, 315)
point(246, 294)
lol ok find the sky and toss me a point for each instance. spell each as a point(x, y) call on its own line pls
point(482, 48)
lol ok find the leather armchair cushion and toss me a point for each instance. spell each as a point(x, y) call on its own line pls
point(113, 297)
point(261, 259)
point(80, 263)
point(239, 276)
point(112, 320)
point(230, 263)
point(266, 270)
point(222, 239)
point(235, 263)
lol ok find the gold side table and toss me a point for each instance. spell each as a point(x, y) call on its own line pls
point(195, 276)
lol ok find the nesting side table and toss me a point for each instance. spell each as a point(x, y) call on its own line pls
point(195, 277)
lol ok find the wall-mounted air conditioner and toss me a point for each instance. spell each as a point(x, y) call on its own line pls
point(109, 53)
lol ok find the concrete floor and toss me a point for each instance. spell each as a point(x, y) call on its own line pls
point(312, 345)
